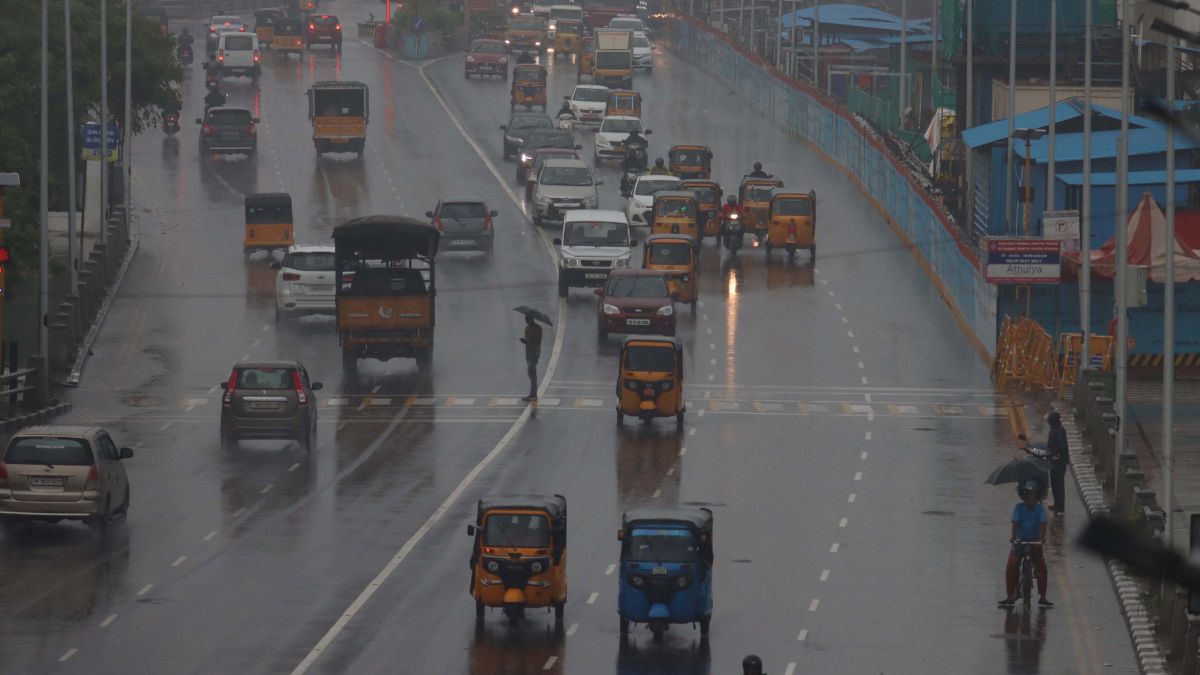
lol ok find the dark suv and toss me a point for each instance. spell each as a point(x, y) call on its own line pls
point(519, 126)
point(325, 28)
point(269, 400)
point(228, 130)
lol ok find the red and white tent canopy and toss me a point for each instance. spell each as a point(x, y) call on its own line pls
point(1147, 245)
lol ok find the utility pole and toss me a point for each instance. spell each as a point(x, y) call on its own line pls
point(1122, 226)
point(903, 59)
point(127, 127)
point(72, 253)
point(816, 46)
point(970, 205)
point(1053, 103)
point(1085, 208)
point(933, 69)
point(44, 199)
point(1012, 113)
point(103, 121)
point(1169, 315)
point(779, 38)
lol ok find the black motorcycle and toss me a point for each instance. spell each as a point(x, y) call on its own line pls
point(170, 122)
point(732, 231)
point(635, 158)
point(185, 54)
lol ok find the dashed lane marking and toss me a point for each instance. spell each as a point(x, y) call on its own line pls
point(843, 522)
point(179, 561)
point(814, 604)
point(210, 535)
point(791, 666)
point(903, 409)
point(850, 499)
point(589, 402)
point(268, 488)
point(864, 455)
point(381, 402)
point(611, 568)
point(801, 637)
point(550, 663)
point(108, 620)
point(239, 512)
point(825, 575)
point(455, 400)
point(834, 548)
point(857, 476)
point(592, 598)
point(68, 654)
point(571, 631)
point(293, 467)
point(868, 436)
point(671, 471)
point(145, 589)
point(656, 495)
point(507, 402)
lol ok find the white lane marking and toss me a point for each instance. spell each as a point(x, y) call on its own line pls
point(861, 365)
point(656, 495)
point(850, 334)
point(682, 451)
point(864, 455)
point(550, 663)
point(855, 348)
point(825, 575)
point(800, 638)
point(712, 362)
point(867, 397)
point(376, 388)
point(611, 568)
point(704, 317)
point(145, 589)
point(592, 598)
point(850, 499)
point(267, 488)
point(864, 380)
point(213, 389)
point(692, 432)
point(824, 282)
point(843, 522)
point(671, 471)
point(245, 357)
point(69, 653)
point(256, 342)
point(710, 378)
point(239, 512)
point(834, 548)
point(707, 394)
point(700, 304)
point(830, 293)
point(165, 426)
point(812, 606)
point(857, 476)
point(109, 619)
point(383, 402)
point(179, 561)
point(293, 467)
point(210, 535)
point(266, 327)
point(791, 667)
point(708, 331)
point(571, 631)
point(868, 435)
point(838, 306)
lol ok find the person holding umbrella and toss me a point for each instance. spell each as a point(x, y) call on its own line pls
point(532, 339)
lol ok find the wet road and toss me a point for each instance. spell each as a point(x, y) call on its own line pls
point(839, 426)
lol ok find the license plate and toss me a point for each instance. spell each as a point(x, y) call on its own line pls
point(486, 67)
point(319, 288)
point(263, 405)
point(47, 481)
point(568, 205)
point(230, 134)
point(637, 322)
point(592, 275)
point(462, 242)
point(659, 571)
point(791, 240)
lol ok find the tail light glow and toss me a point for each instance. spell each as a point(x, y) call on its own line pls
point(220, 54)
point(487, 222)
point(291, 276)
point(301, 397)
point(250, 130)
point(93, 478)
point(231, 385)
point(3, 471)
point(256, 56)
point(208, 130)
point(437, 222)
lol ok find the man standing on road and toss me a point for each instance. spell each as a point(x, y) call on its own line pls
point(1060, 456)
point(533, 352)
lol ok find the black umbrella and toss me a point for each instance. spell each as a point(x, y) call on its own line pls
point(535, 313)
point(1019, 470)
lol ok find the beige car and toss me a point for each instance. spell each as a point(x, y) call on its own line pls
point(55, 473)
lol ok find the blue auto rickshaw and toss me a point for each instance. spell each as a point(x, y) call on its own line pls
point(666, 569)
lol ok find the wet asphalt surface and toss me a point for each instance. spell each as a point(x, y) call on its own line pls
point(839, 426)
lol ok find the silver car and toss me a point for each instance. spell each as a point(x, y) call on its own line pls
point(466, 224)
point(305, 282)
point(563, 185)
point(55, 473)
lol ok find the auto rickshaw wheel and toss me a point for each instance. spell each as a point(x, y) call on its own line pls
point(425, 359)
point(704, 623)
point(479, 610)
point(812, 252)
point(624, 626)
point(620, 418)
point(559, 610)
point(693, 304)
point(679, 420)
point(563, 289)
point(767, 246)
point(349, 360)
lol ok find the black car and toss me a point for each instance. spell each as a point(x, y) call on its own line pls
point(537, 139)
point(519, 126)
point(269, 400)
point(228, 130)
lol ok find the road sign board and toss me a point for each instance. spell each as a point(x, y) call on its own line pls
point(1018, 260)
point(91, 141)
point(1063, 226)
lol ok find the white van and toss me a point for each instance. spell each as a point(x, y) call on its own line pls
point(238, 54)
point(592, 243)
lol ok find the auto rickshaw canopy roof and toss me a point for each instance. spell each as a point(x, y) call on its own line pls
point(697, 519)
point(529, 72)
point(653, 339)
point(385, 238)
point(667, 195)
point(269, 199)
point(786, 193)
point(670, 239)
point(691, 148)
point(772, 182)
point(343, 84)
point(555, 506)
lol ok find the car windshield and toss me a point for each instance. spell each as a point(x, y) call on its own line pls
point(670, 253)
point(639, 41)
point(637, 287)
point(487, 48)
point(264, 378)
point(310, 261)
point(675, 208)
point(526, 24)
point(517, 530)
point(595, 233)
point(566, 175)
point(792, 207)
point(590, 94)
point(462, 210)
point(761, 193)
point(56, 451)
point(627, 24)
point(556, 139)
point(620, 126)
point(646, 188)
point(530, 122)
point(650, 359)
point(663, 546)
point(229, 118)
point(239, 43)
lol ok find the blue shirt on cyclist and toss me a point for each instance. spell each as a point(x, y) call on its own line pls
point(1028, 520)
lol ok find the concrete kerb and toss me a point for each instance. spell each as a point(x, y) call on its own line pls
point(1145, 644)
point(85, 348)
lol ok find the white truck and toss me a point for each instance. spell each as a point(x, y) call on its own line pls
point(613, 63)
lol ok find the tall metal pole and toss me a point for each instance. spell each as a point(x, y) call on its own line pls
point(1012, 113)
point(1169, 313)
point(970, 108)
point(903, 59)
point(103, 219)
point(1053, 104)
point(779, 38)
point(742, 22)
point(816, 46)
point(1085, 207)
point(127, 127)
point(933, 68)
point(1122, 225)
point(44, 199)
point(72, 251)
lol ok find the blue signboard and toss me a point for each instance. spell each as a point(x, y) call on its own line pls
point(91, 140)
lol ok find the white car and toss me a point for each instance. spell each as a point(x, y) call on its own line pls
point(643, 52)
point(592, 243)
point(305, 283)
point(611, 135)
point(588, 102)
point(625, 22)
point(641, 200)
point(221, 23)
point(238, 54)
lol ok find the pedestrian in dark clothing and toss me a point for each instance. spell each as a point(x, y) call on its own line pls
point(1060, 457)
point(533, 352)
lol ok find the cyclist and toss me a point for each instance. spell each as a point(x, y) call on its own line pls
point(1028, 527)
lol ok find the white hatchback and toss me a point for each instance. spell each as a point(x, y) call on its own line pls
point(610, 137)
point(305, 283)
point(588, 102)
point(643, 52)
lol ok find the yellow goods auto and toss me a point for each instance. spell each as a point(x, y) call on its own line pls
point(650, 379)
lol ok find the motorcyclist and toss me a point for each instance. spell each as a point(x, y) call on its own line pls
point(659, 169)
point(185, 38)
point(566, 110)
point(758, 171)
point(215, 97)
point(731, 206)
point(633, 140)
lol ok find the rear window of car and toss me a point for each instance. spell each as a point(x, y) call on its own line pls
point(639, 41)
point(312, 261)
point(265, 378)
point(229, 117)
point(324, 20)
point(463, 210)
point(648, 187)
point(56, 451)
point(239, 43)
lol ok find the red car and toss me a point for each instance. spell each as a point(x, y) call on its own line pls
point(487, 57)
point(325, 28)
point(635, 301)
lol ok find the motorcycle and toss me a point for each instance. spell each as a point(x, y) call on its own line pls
point(635, 158)
point(185, 54)
point(566, 122)
point(732, 230)
point(170, 122)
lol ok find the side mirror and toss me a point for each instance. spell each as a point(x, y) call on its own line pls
point(317, 386)
point(504, 127)
point(578, 146)
point(470, 530)
point(275, 264)
point(647, 132)
point(633, 244)
point(620, 535)
point(600, 182)
point(429, 214)
point(493, 213)
point(566, 98)
point(224, 385)
point(626, 194)
point(125, 453)
point(557, 241)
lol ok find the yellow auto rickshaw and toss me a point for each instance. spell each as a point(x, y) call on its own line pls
point(587, 54)
point(793, 222)
point(529, 86)
point(567, 37)
point(675, 256)
point(268, 222)
point(264, 25)
point(754, 196)
point(650, 379)
point(708, 199)
point(287, 36)
point(691, 161)
point(676, 212)
point(519, 558)
point(623, 103)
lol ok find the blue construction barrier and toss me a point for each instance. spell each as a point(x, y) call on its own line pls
point(844, 141)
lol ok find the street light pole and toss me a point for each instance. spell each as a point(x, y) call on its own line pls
point(1053, 103)
point(72, 253)
point(816, 43)
point(903, 59)
point(1169, 313)
point(44, 199)
point(1122, 224)
point(103, 219)
point(1012, 113)
point(1085, 207)
point(779, 38)
point(127, 128)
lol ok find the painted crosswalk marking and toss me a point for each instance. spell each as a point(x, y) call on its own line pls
point(947, 409)
point(589, 402)
point(496, 401)
point(381, 402)
point(724, 406)
point(904, 409)
point(858, 409)
point(460, 401)
point(422, 400)
point(768, 407)
point(337, 402)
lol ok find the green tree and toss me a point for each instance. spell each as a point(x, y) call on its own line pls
point(155, 75)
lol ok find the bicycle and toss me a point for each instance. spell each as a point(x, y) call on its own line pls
point(1025, 566)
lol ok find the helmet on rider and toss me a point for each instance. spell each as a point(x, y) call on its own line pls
point(758, 166)
point(752, 665)
point(565, 109)
point(658, 162)
point(731, 200)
